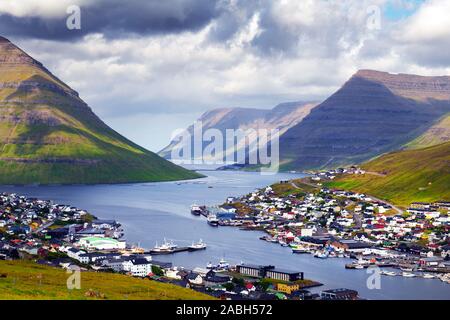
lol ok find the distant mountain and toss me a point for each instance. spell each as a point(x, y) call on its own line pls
point(49, 135)
point(281, 117)
point(404, 176)
point(371, 114)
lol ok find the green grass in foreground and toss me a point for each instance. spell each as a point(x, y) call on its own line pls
point(27, 280)
point(410, 175)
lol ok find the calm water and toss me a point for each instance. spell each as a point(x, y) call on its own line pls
point(151, 211)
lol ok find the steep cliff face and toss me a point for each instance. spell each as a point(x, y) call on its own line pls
point(281, 117)
point(372, 113)
point(49, 135)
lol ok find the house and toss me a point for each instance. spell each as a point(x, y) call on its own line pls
point(339, 294)
point(351, 245)
point(115, 264)
point(194, 279)
point(75, 253)
point(270, 272)
point(138, 267)
point(105, 224)
point(213, 279)
point(430, 261)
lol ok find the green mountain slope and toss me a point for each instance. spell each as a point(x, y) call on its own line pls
point(24, 280)
point(404, 176)
point(436, 134)
point(49, 135)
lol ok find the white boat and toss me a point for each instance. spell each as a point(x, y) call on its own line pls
point(359, 266)
point(223, 264)
point(389, 273)
point(212, 220)
point(408, 274)
point(407, 269)
point(198, 245)
point(283, 244)
point(428, 276)
point(166, 247)
point(321, 254)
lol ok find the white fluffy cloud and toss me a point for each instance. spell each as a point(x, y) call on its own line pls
point(254, 54)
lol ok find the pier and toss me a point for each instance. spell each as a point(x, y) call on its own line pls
point(174, 250)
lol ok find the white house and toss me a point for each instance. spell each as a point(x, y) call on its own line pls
point(138, 267)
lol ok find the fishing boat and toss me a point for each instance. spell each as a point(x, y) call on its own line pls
point(166, 247)
point(408, 274)
point(428, 276)
point(212, 220)
point(198, 245)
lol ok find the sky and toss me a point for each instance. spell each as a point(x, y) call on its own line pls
point(150, 67)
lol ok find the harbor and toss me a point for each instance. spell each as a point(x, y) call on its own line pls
point(150, 212)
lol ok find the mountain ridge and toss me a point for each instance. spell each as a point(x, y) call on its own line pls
point(281, 117)
point(371, 114)
point(46, 128)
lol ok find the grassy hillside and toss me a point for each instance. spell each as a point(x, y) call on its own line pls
point(407, 176)
point(27, 280)
point(438, 133)
point(49, 135)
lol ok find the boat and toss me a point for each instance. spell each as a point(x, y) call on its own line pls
point(283, 244)
point(389, 273)
point(299, 250)
point(198, 245)
point(321, 255)
point(212, 220)
point(223, 264)
point(408, 274)
point(428, 276)
point(197, 210)
point(359, 266)
point(407, 269)
point(166, 247)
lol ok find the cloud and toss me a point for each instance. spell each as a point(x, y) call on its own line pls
point(148, 60)
point(112, 18)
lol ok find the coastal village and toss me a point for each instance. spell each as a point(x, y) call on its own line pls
point(299, 214)
point(67, 237)
point(329, 223)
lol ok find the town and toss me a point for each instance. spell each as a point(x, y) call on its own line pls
point(64, 236)
point(328, 223)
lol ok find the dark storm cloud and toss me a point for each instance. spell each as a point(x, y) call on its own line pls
point(117, 18)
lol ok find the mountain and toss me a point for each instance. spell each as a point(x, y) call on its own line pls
point(281, 117)
point(371, 114)
point(49, 135)
point(404, 176)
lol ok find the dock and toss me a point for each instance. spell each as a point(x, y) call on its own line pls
point(175, 250)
